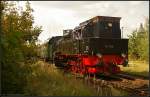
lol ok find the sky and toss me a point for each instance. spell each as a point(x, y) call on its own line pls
point(55, 16)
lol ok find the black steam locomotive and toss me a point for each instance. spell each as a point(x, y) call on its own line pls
point(93, 47)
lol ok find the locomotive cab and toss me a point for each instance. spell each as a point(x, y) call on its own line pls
point(101, 26)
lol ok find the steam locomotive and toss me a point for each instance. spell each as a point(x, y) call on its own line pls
point(93, 47)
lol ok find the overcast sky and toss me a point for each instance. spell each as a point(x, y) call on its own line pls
point(54, 16)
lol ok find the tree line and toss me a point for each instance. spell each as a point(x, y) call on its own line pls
point(139, 42)
point(18, 45)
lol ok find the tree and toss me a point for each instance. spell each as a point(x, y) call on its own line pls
point(17, 31)
point(138, 42)
point(133, 51)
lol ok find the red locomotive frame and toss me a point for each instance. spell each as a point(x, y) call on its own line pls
point(93, 64)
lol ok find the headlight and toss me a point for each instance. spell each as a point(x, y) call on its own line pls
point(99, 55)
point(123, 55)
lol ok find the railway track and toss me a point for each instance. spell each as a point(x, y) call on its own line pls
point(125, 76)
point(136, 76)
point(133, 85)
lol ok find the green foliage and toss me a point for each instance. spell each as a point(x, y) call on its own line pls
point(47, 81)
point(18, 37)
point(139, 43)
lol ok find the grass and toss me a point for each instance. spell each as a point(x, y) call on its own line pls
point(47, 81)
point(138, 68)
point(118, 92)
